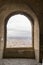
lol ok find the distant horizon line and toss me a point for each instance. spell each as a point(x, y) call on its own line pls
point(20, 38)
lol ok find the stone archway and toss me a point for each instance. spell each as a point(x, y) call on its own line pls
point(7, 9)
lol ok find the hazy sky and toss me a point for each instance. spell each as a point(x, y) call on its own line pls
point(19, 25)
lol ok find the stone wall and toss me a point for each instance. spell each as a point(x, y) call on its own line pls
point(8, 6)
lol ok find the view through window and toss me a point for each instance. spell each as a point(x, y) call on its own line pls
point(19, 32)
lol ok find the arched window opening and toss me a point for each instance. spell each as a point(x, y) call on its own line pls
point(19, 32)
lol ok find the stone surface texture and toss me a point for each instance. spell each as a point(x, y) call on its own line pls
point(19, 62)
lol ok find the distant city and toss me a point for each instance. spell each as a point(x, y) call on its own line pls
point(19, 38)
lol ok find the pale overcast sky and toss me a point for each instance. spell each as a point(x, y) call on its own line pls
point(19, 25)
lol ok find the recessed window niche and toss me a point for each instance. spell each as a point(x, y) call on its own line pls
point(19, 32)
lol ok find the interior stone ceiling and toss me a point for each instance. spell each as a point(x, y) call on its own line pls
point(36, 5)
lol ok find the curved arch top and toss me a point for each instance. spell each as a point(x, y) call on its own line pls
point(21, 13)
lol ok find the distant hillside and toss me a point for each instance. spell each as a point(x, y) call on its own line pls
point(25, 38)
